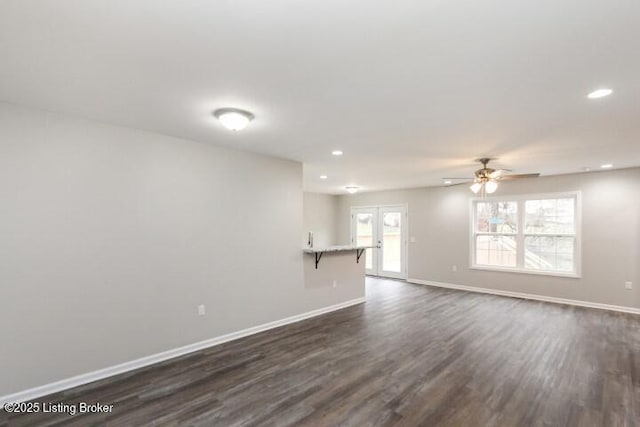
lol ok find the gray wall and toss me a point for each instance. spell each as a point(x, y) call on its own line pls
point(321, 217)
point(111, 237)
point(439, 221)
point(337, 272)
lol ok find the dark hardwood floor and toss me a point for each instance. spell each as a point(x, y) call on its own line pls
point(411, 355)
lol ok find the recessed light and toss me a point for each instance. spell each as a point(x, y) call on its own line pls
point(600, 93)
point(447, 182)
point(607, 166)
point(336, 153)
point(233, 118)
point(323, 177)
point(352, 189)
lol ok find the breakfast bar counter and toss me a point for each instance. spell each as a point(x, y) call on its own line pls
point(318, 252)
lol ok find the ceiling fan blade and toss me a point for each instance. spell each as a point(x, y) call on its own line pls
point(498, 173)
point(519, 176)
point(458, 183)
point(467, 178)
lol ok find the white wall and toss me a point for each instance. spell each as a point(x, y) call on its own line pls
point(321, 217)
point(111, 237)
point(439, 220)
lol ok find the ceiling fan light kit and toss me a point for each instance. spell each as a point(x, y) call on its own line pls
point(489, 186)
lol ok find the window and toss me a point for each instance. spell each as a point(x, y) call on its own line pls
point(536, 234)
point(496, 233)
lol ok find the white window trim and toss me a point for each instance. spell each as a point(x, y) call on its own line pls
point(520, 235)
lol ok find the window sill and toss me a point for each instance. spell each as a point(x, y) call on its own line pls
point(523, 271)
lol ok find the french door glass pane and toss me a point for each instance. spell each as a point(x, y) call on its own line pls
point(392, 242)
point(364, 236)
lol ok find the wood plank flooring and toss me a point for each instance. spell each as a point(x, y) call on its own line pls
point(410, 356)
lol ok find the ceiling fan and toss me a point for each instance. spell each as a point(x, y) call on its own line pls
point(486, 178)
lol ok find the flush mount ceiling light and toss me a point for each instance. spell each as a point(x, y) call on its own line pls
point(352, 189)
point(599, 93)
point(607, 166)
point(323, 177)
point(336, 153)
point(233, 118)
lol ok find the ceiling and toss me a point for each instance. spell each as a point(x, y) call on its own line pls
point(411, 91)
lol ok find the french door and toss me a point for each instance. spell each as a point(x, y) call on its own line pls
point(386, 227)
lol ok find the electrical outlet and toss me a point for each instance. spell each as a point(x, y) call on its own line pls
point(202, 310)
point(412, 239)
point(454, 268)
point(628, 285)
point(335, 283)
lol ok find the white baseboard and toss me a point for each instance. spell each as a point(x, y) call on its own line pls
point(528, 296)
point(82, 379)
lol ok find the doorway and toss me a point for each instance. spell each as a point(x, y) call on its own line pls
point(386, 227)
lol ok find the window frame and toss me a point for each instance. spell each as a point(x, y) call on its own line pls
point(520, 233)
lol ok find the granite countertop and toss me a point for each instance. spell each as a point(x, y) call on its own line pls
point(342, 248)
